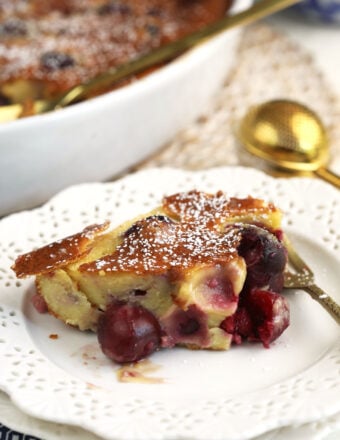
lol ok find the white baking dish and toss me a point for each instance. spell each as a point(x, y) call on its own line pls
point(101, 137)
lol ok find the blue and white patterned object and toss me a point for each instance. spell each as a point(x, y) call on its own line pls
point(7, 434)
point(327, 11)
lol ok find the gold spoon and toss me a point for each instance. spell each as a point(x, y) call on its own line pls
point(288, 135)
point(165, 53)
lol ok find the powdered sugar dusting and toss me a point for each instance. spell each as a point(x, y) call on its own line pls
point(180, 247)
point(195, 235)
point(214, 208)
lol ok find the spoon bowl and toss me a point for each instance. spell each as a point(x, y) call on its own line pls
point(288, 135)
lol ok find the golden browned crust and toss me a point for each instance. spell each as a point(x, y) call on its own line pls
point(192, 233)
point(192, 205)
point(57, 254)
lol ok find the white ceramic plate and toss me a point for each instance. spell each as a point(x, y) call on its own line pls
point(229, 395)
point(327, 429)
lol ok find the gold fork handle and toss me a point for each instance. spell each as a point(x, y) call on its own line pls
point(296, 260)
point(325, 300)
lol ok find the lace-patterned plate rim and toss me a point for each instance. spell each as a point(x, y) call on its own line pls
point(13, 417)
point(47, 387)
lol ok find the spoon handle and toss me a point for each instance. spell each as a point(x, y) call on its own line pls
point(329, 176)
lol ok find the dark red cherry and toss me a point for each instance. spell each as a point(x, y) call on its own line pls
point(56, 61)
point(265, 256)
point(239, 325)
point(128, 332)
point(155, 11)
point(114, 7)
point(157, 223)
point(269, 313)
point(13, 27)
point(263, 316)
point(4, 100)
point(152, 29)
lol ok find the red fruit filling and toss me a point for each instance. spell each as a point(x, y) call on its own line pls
point(269, 313)
point(129, 332)
point(186, 327)
point(263, 316)
point(218, 291)
point(239, 325)
point(39, 303)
